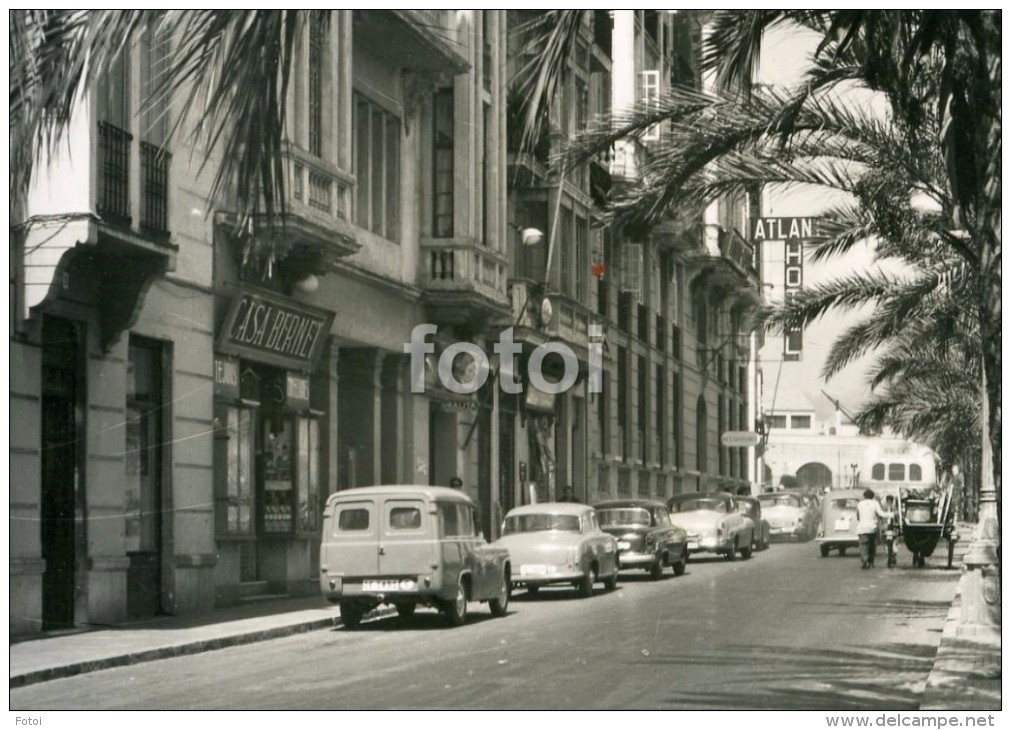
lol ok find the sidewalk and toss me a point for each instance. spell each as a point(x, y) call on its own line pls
point(64, 655)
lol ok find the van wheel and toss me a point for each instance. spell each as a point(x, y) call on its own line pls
point(406, 610)
point(351, 615)
point(824, 551)
point(456, 609)
point(500, 603)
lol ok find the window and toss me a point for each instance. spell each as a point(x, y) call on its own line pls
point(661, 419)
point(623, 431)
point(582, 259)
point(377, 169)
point(353, 519)
point(800, 421)
point(602, 408)
point(405, 518)
point(878, 472)
point(643, 406)
point(896, 472)
point(915, 473)
point(241, 438)
point(701, 433)
point(650, 87)
point(676, 424)
point(567, 263)
point(449, 520)
point(317, 38)
point(442, 164)
point(487, 197)
point(776, 421)
point(721, 426)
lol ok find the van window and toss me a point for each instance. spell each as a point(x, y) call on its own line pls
point(352, 518)
point(449, 520)
point(405, 518)
point(466, 520)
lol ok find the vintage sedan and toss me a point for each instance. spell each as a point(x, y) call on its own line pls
point(713, 522)
point(646, 537)
point(557, 542)
point(409, 545)
point(752, 509)
point(791, 515)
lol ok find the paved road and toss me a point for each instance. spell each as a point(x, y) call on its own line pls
point(784, 630)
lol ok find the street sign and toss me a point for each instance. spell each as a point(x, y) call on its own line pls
point(786, 229)
point(739, 439)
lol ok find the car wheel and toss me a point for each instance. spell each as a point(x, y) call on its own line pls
point(406, 610)
point(746, 551)
point(842, 551)
point(681, 563)
point(456, 609)
point(532, 590)
point(824, 551)
point(500, 603)
point(351, 615)
point(732, 554)
point(656, 569)
point(585, 584)
point(611, 582)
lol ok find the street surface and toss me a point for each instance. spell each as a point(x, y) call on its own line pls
point(785, 630)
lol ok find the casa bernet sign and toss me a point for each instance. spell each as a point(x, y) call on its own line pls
point(277, 331)
point(786, 229)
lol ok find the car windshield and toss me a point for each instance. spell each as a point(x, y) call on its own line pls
point(779, 500)
point(540, 522)
point(624, 516)
point(694, 505)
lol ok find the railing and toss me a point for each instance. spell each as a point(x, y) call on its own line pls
point(463, 267)
point(154, 171)
point(113, 172)
point(319, 191)
point(738, 251)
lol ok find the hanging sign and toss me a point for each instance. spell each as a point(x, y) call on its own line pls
point(786, 229)
point(226, 377)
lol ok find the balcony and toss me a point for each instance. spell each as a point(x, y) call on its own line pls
point(464, 283)
point(416, 40)
point(539, 318)
point(314, 227)
point(726, 261)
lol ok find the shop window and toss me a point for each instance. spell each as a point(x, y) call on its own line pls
point(309, 498)
point(878, 472)
point(278, 482)
point(239, 484)
point(896, 472)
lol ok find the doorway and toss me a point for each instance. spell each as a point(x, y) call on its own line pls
point(144, 488)
point(60, 488)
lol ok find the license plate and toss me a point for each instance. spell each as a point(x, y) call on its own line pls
point(693, 544)
point(402, 584)
point(624, 544)
point(533, 570)
point(842, 524)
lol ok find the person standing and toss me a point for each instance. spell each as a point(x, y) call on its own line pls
point(868, 514)
point(456, 483)
point(568, 494)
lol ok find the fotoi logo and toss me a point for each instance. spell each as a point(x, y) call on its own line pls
point(507, 350)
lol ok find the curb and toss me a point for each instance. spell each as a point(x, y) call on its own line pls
point(177, 650)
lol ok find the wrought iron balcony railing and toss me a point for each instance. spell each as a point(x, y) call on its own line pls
point(155, 163)
point(113, 202)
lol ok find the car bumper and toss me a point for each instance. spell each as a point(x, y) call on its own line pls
point(630, 559)
point(839, 540)
point(424, 590)
point(787, 532)
point(709, 545)
point(544, 575)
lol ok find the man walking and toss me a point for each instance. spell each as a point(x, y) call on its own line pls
point(868, 514)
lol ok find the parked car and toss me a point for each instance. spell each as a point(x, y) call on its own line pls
point(789, 516)
point(408, 546)
point(713, 522)
point(751, 508)
point(646, 537)
point(559, 542)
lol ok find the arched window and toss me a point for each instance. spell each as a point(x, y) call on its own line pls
point(915, 473)
point(701, 433)
point(896, 472)
point(878, 472)
point(814, 475)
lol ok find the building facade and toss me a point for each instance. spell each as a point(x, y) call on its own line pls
point(185, 403)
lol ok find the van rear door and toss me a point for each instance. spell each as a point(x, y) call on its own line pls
point(407, 541)
point(351, 549)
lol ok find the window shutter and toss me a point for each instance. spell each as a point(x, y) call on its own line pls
point(649, 84)
point(631, 269)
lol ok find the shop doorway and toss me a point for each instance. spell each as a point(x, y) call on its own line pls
point(507, 452)
point(60, 488)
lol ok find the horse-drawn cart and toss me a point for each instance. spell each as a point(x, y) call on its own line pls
point(925, 517)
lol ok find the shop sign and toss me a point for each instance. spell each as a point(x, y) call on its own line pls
point(458, 406)
point(297, 391)
point(274, 330)
point(786, 229)
point(537, 400)
point(226, 377)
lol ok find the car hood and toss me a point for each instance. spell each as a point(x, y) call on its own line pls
point(539, 547)
point(782, 513)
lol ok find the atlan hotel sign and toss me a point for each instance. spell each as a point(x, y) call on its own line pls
point(266, 328)
point(786, 229)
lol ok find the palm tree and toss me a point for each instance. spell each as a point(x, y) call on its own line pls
point(227, 78)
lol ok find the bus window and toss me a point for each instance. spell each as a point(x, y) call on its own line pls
point(878, 472)
point(896, 472)
point(915, 473)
